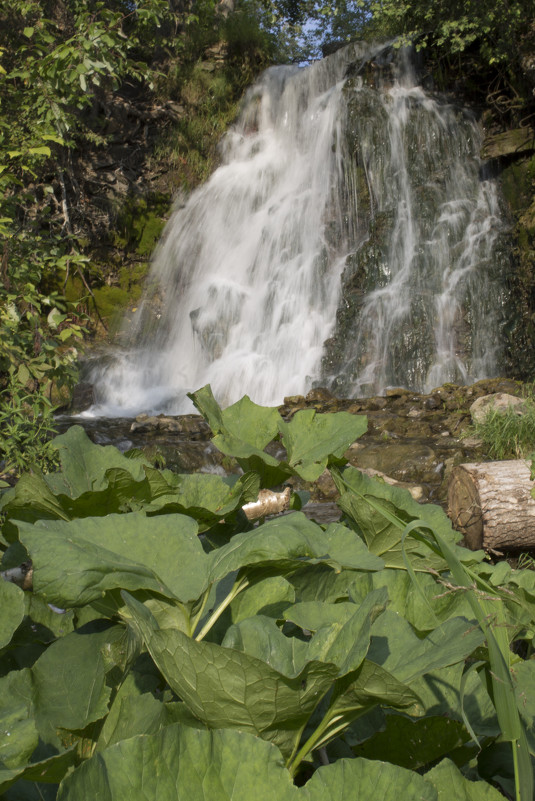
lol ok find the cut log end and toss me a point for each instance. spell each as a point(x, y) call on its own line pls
point(490, 503)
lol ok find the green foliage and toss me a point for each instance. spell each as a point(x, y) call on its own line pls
point(26, 425)
point(507, 434)
point(190, 147)
point(249, 654)
point(54, 62)
point(486, 44)
point(495, 26)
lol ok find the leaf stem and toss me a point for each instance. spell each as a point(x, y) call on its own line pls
point(514, 745)
point(195, 622)
point(317, 739)
point(216, 614)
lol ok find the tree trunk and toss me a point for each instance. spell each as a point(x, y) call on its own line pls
point(491, 504)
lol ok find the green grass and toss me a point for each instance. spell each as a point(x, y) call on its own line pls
point(508, 435)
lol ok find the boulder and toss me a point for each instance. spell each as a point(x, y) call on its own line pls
point(498, 402)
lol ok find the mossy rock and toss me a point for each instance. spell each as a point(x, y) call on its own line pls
point(518, 184)
point(140, 223)
point(115, 299)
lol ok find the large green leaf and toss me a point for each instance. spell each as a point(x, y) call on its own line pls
point(12, 604)
point(98, 480)
point(244, 429)
point(443, 600)
point(396, 647)
point(353, 696)
point(183, 763)
point(31, 499)
point(131, 551)
point(163, 554)
point(84, 464)
point(19, 736)
point(347, 549)
point(450, 783)
point(318, 582)
point(268, 597)
point(49, 770)
point(226, 688)
point(205, 497)
point(287, 541)
point(69, 679)
point(346, 644)
point(133, 714)
point(314, 615)
point(416, 743)
point(365, 780)
point(261, 638)
point(310, 438)
point(180, 762)
point(18, 732)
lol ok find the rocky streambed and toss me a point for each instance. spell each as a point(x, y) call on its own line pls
point(413, 439)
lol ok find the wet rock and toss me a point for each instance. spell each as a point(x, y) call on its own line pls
point(419, 493)
point(295, 400)
point(319, 394)
point(407, 461)
point(472, 442)
point(498, 402)
point(325, 487)
point(508, 143)
point(375, 404)
point(433, 402)
point(83, 396)
point(356, 407)
point(418, 429)
point(191, 426)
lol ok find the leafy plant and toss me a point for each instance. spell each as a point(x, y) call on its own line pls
point(212, 657)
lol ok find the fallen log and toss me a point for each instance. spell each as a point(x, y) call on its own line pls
point(490, 503)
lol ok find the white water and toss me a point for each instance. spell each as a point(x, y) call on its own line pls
point(245, 285)
point(434, 312)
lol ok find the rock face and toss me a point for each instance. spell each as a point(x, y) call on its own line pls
point(511, 157)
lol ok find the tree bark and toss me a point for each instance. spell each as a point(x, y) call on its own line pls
point(491, 504)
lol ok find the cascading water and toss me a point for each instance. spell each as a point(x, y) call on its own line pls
point(424, 294)
point(362, 195)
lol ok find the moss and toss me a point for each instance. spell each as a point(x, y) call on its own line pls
point(518, 184)
point(140, 222)
point(112, 302)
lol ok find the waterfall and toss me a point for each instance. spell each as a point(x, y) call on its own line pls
point(347, 239)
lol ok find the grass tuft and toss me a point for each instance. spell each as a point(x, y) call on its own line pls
point(508, 435)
